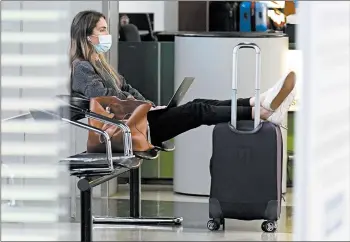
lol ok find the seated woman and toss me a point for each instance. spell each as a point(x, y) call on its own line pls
point(92, 76)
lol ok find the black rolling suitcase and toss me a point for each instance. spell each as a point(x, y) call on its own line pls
point(223, 16)
point(246, 165)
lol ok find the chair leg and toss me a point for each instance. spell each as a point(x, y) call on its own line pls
point(135, 193)
point(73, 198)
point(86, 216)
point(135, 208)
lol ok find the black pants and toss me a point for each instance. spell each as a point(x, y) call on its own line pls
point(165, 124)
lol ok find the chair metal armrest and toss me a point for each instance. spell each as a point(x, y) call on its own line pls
point(125, 129)
point(105, 135)
point(149, 133)
point(128, 151)
point(23, 116)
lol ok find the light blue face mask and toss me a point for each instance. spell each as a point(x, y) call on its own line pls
point(105, 43)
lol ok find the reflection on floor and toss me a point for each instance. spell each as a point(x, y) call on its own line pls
point(165, 193)
point(160, 201)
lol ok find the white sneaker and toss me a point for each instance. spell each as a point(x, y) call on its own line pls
point(280, 113)
point(276, 95)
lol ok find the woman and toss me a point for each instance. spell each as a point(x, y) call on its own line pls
point(92, 76)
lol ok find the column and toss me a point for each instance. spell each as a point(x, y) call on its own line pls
point(322, 172)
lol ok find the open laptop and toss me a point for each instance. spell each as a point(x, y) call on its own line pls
point(180, 92)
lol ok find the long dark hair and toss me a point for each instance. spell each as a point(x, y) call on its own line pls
point(82, 26)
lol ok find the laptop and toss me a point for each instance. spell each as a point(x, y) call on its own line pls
point(180, 92)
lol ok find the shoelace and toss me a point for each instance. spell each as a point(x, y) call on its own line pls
point(294, 103)
point(283, 127)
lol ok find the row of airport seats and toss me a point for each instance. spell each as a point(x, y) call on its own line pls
point(94, 169)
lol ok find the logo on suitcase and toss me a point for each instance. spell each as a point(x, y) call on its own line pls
point(243, 154)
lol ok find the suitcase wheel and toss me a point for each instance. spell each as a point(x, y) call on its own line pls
point(269, 226)
point(213, 224)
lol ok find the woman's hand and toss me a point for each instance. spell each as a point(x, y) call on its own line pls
point(157, 108)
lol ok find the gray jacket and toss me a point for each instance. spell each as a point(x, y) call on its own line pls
point(86, 81)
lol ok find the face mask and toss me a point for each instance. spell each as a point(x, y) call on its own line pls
point(105, 43)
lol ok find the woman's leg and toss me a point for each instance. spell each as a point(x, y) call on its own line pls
point(270, 99)
point(168, 123)
point(245, 102)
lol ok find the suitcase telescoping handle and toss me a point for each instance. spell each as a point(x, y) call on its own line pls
point(234, 82)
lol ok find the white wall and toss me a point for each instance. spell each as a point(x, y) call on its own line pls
point(165, 12)
point(171, 13)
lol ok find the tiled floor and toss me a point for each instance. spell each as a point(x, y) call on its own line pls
point(161, 201)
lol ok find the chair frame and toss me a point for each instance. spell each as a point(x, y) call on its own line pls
point(87, 177)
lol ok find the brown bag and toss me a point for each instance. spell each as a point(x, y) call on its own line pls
point(132, 112)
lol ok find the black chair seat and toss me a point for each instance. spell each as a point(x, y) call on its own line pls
point(98, 161)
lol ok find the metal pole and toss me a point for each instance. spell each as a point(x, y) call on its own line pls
point(86, 216)
point(135, 199)
point(114, 31)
